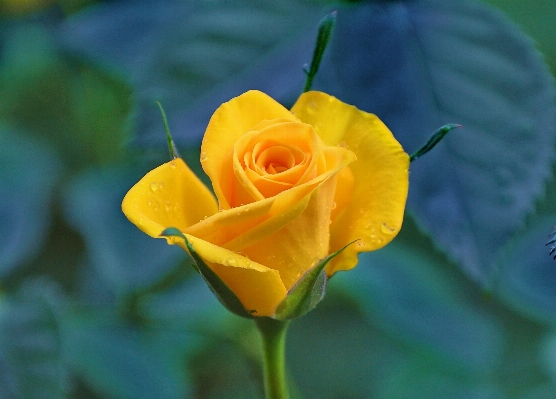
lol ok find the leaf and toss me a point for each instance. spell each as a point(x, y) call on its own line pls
point(219, 288)
point(82, 109)
point(126, 258)
point(422, 64)
point(305, 295)
point(526, 280)
point(192, 56)
point(535, 17)
point(31, 360)
point(408, 293)
point(115, 360)
point(29, 172)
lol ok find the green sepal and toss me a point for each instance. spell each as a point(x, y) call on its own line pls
point(174, 153)
point(219, 288)
point(323, 37)
point(307, 292)
point(434, 140)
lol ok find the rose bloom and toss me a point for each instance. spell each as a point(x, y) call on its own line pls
point(291, 188)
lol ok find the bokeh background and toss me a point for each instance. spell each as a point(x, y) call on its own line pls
point(461, 305)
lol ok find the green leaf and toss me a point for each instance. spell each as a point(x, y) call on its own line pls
point(195, 55)
point(126, 259)
point(29, 173)
point(31, 347)
point(84, 110)
point(422, 64)
point(224, 293)
point(536, 17)
point(118, 361)
point(307, 292)
point(526, 279)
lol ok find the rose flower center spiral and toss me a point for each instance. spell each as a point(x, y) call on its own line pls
point(276, 156)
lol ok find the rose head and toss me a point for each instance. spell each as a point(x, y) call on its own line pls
point(291, 187)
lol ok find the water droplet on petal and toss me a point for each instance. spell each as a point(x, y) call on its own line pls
point(311, 107)
point(167, 206)
point(173, 165)
point(231, 261)
point(154, 186)
point(333, 205)
point(204, 156)
point(386, 229)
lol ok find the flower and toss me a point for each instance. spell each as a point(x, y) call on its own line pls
point(291, 187)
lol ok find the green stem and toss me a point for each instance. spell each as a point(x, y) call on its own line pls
point(273, 333)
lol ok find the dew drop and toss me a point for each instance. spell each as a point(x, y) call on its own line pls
point(334, 205)
point(154, 186)
point(150, 202)
point(312, 107)
point(231, 261)
point(167, 206)
point(204, 156)
point(387, 229)
point(173, 165)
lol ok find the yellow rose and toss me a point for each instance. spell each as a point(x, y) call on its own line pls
point(291, 187)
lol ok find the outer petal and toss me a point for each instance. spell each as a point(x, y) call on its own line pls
point(259, 288)
point(228, 123)
point(168, 196)
point(381, 174)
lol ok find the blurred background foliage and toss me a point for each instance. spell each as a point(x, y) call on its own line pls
point(461, 305)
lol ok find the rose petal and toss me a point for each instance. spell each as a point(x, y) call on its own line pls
point(294, 134)
point(375, 213)
point(241, 227)
point(228, 123)
point(168, 196)
point(259, 288)
point(301, 243)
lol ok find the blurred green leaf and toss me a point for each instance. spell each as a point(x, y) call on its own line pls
point(193, 56)
point(527, 273)
point(401, 290)
point(31, 362)
point(83, 110)
point(29, 171)
point(422, 64)
point(118, 361)
point(536, 17)
point(126, 258)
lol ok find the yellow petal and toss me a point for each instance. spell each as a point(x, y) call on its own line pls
point(302, 242)
point(228, 123)
point(168, 196)
point(300, 136)
point(259, 288)
point(380, 175)
point(244, 226)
